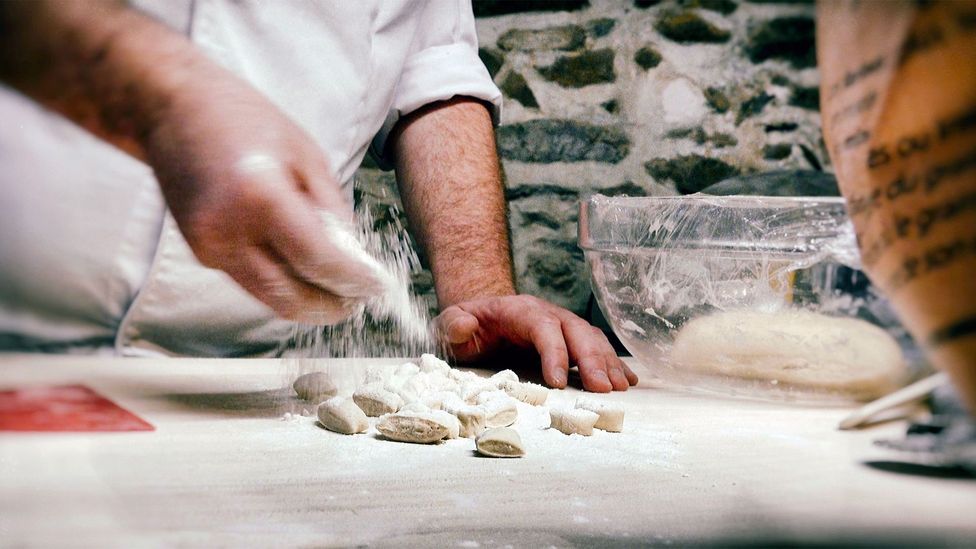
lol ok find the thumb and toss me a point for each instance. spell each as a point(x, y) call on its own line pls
point(456, 325)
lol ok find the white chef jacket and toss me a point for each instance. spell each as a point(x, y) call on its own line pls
point(89, 255)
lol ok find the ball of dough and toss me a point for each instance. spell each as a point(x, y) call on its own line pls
point(315, 387)
point(341, 415)
point(794, 348)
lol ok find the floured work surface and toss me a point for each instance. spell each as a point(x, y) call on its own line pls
point(224, 468)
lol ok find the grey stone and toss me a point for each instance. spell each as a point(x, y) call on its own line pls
point(526, 190)
point(518, 89)
point(584, 69)
point(627, 188)
point(777, 151)
point(488, 8)
point(690, 173)
point(698, 135)
point(753, 106)
point(725, 7)
point(612, 106)
point(599, 28)
point(789, 39)
point(562, 141)
point(493, 60)
point(557, 265)
point(566, 38)
point(778, 183)
point(806, 98)
point(717, 99)
point(687, 26)
point(781, 127)
point(647, 57)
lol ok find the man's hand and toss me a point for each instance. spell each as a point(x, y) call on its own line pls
point(247, 187)
point(481, 328)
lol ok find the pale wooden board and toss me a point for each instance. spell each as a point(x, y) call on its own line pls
point(223, 468)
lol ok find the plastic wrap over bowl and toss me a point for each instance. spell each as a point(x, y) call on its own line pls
point(744, 295)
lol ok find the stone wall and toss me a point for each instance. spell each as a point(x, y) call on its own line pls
point(637, 98)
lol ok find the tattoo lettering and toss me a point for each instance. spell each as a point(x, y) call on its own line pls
point(932, 259)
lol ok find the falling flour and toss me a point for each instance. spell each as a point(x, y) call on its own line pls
point(423, 402)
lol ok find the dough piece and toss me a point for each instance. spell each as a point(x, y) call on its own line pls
point(450, 421)
point(500, 412)
point(527, 392)
point(413, 388)
point(440, 382)
point(471, 389)
point(492, 395)
point(794, 348)
point(433, 365)
point(406, 369)
point(376, 401)
point(471, 418)
point(414, 407)
point(502, 442)
point(315, 387)
point(460, 376)
point(504, 375)
point(438, 400)
point(573, 421)
point(340, 414)
point(611, 414)
point(409, 427)
point(377, 374)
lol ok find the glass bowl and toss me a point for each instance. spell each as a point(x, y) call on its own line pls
point(745, 295)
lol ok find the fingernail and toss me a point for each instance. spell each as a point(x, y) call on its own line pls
point(559, 378)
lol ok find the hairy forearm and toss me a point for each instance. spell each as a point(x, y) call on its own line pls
point(101, 64)
point(451, 186)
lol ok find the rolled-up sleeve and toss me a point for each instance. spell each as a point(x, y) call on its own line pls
point(443, 63)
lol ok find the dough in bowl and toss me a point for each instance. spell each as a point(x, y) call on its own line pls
point(796, 348)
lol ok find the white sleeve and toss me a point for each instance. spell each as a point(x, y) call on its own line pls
point(443, 63)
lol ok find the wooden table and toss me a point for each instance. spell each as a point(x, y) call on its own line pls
point(223, 468)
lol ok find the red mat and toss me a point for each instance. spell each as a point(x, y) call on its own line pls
point(64, 408)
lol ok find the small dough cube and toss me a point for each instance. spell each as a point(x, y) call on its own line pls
point(472, 418)
point(377, 374)
point(503, 442)
point(496, 394)
point(500, 412)
point(433, 365)
point(376, 401)
point(504, 375)
point(460, 376)
point(409, 427)
point(450, 421)
point(527, 392)
point(573, 421)
point(406, 369)
point(340, 414)
point(611, 414)
point(438, 400)
point(472, 388)
point(414, 407)
point(315, 387)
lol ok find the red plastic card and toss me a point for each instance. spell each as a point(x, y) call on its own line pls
point(64, 408)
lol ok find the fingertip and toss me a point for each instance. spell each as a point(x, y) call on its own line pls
point(595, 379)
point(457, 325)
point(631, 376)
point(617, 377)
point(555, 376)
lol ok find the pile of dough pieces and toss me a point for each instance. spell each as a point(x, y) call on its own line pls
point(429, 401)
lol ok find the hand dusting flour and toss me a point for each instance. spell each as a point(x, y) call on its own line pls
point(426, 402)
